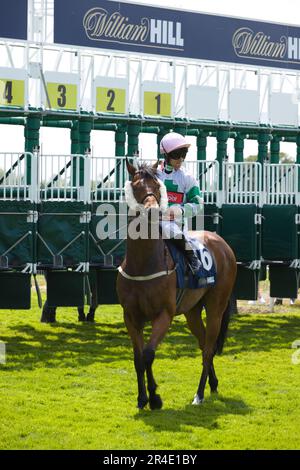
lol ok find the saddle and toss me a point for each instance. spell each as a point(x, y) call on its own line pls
point(206, 275)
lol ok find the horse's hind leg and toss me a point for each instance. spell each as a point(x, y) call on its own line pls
point(197, 328)
point(215, 311)
point(137, 339)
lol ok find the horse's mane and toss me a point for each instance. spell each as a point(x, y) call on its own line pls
point(147, 171)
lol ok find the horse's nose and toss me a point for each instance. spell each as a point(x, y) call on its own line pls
point(151, 203)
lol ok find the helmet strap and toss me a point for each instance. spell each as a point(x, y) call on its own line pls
point(168, 167)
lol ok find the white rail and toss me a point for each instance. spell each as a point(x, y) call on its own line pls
point(281, 184)
point(108, 177)
point(64, 177)
point(36, 178)
point(242, 183)
point(18, 176)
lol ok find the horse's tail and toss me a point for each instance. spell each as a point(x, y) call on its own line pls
point(224, 325)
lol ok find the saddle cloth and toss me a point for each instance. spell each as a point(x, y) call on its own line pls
point(206, 276)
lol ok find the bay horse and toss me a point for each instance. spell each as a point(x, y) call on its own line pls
point(146, 288)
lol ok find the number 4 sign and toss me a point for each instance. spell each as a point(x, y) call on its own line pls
point(13, 87)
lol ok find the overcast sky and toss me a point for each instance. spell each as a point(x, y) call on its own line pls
point(287, 11)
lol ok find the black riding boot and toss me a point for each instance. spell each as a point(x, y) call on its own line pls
point(190, 255)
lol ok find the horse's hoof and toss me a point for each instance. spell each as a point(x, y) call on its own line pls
point(197, 400)
point(46, 319)
point(90, 319)
point(155, 402)
point(142, 403)
point(81, 318)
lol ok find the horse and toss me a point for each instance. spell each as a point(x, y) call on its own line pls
point(146, 288)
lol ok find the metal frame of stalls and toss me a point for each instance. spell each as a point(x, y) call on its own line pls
point(280, 228)
point(241, 223)
point(18, 218)
point(82, 123)
point(63, 227)
point(107, 228)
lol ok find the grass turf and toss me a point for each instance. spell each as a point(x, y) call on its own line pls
point(73, 385)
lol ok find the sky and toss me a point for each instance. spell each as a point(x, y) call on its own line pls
point(287, 11)
point(57, 141)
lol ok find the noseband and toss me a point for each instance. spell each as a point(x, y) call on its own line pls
point(148, 195)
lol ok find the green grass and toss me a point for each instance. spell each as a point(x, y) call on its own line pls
point(73, 386)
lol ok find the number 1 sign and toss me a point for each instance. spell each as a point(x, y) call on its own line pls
point(157, 99)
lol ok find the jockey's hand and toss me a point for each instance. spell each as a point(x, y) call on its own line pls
point(174, 212)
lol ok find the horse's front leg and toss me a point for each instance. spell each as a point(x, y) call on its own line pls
point(137, 339)
point(160, 327)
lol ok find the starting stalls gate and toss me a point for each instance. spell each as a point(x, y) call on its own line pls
point(55, 211)
point(18, 198)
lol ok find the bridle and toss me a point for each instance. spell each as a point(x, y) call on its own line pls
point(148, 195)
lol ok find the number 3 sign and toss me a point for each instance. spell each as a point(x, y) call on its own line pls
point(62, 91)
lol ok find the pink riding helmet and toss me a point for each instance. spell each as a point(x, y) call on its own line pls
point(173, 141)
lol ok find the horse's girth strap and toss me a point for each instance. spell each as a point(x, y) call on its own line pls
point(145, 278)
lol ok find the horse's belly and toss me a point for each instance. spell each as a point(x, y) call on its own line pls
point(191, 297)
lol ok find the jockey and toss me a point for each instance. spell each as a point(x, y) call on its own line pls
point(184, 195)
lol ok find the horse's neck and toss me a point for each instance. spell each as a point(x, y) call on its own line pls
point(145, 256)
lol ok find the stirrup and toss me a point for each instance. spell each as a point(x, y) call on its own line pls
point(194, 264)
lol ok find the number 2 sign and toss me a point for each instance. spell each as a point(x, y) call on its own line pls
point(110, 100)
point(110, 95)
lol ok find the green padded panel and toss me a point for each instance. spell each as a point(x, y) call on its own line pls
point(15, 291)
point(58, 231)
point(65, 289)
point(116, 246)
point(13, 228)
point(240, 231)
point(284, 282)
point(246, 284)
point(210, 223)
point(107, 293)
point(279, 233)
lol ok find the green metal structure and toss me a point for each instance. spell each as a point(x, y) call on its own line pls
point(51, 224)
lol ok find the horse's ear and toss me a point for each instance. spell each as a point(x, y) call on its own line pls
point(131, 169)
point(155, 166)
